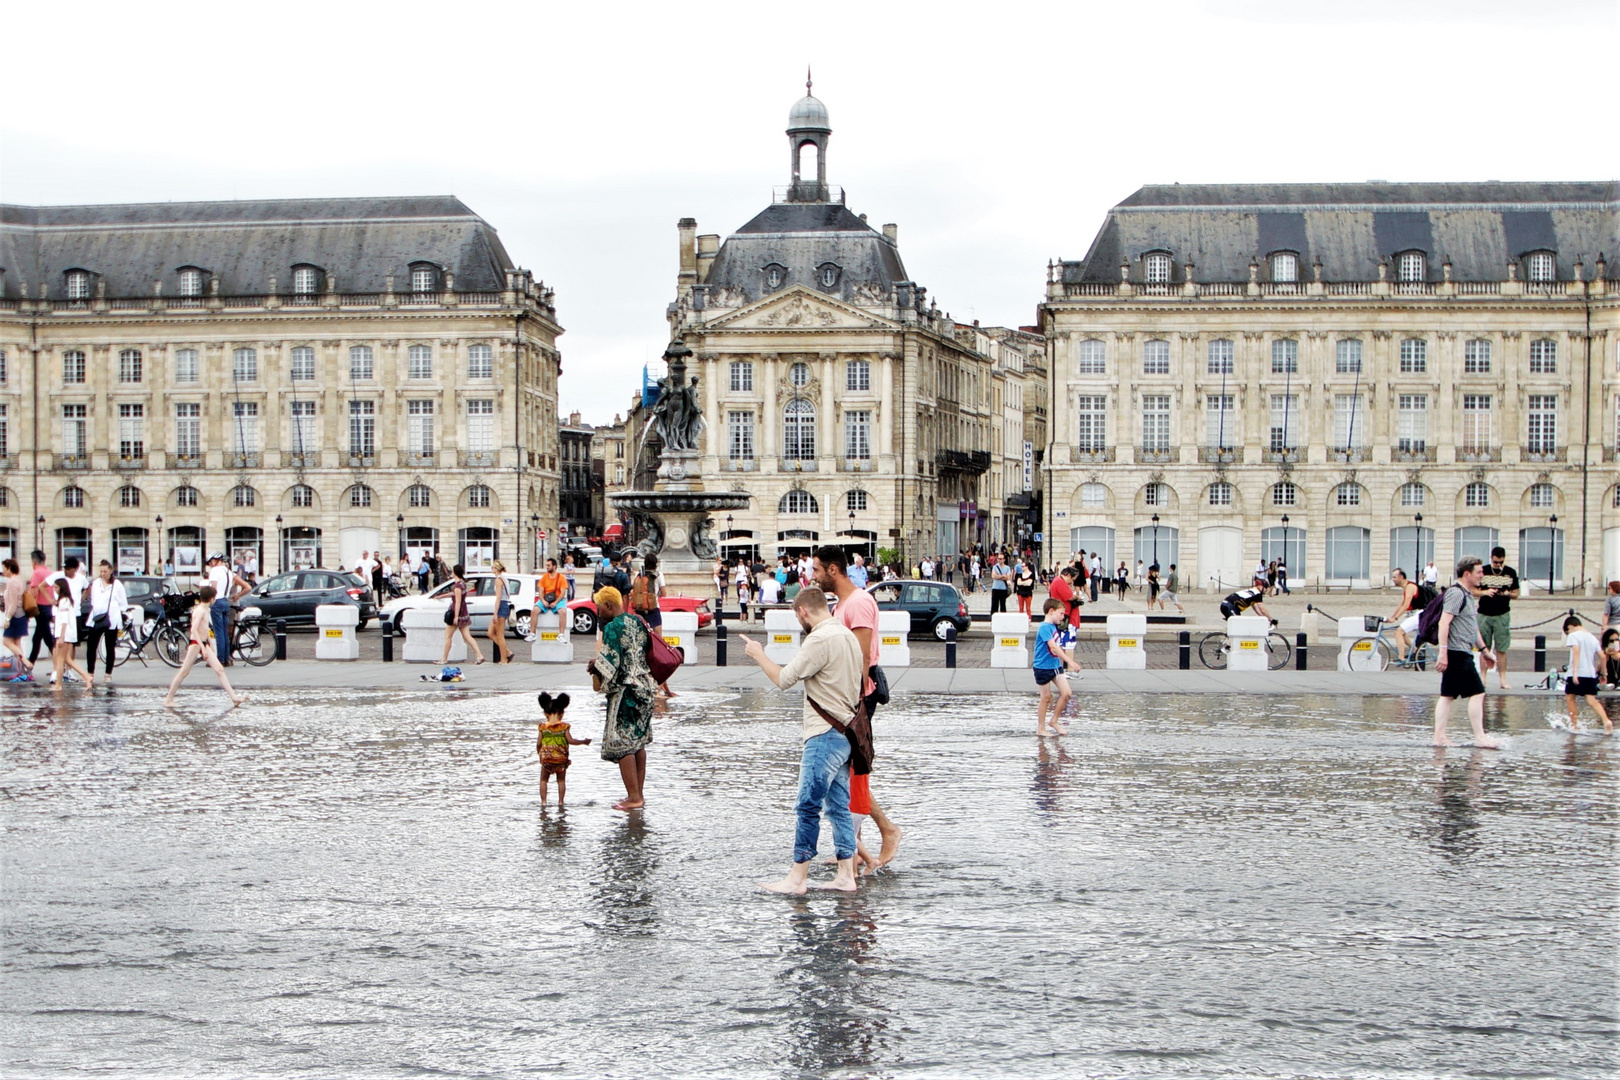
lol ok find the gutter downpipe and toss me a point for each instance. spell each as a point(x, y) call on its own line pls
point(1586, 434)
point(33, 348)
point(517, 431)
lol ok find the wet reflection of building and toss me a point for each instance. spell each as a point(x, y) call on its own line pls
point(622, 887)
point(840, 1024)
point(1456, 827)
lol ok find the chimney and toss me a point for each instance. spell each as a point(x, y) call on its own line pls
point(707, 245)
point(891, 233)
point(687, 228)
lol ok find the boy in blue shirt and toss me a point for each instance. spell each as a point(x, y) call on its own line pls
point(1050, 660)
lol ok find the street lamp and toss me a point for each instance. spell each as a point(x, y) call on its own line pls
point(1417, 528)
point(540, 548)
point(1284, 553)
point(160, 536)
point(1552, 549)
point(39, 531)
point(281, 548)
point(1155, 539)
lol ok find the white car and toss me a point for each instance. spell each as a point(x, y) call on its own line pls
point(520, 589)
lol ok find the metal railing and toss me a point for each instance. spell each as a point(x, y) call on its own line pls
point(739, 464)
point(1088, 456)
point(477, 459)
point(1158, 455)
point(244, 460)
point(185, 461)
point(72, 461)
point(1543, 455)
point(1220, 455)
point(293, 459)
point(1467, 454)
point(1414, 453)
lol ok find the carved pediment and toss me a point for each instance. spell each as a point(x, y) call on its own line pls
point(798, 309)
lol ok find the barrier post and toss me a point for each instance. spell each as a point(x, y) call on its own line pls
point(1009, 630)
point(552, 643)
point(1356, 652)
point(893, 650)
point(1541, 653)
point(1184, 647)
point(424, 636)
point(388, 641)
point(719, 642)
point(680, 632)
point(782, 632)
point(1300, 663)
point(281, 639)
point(1246, 639)
point(1127, 642)
point(334, 630)
point(950, 645)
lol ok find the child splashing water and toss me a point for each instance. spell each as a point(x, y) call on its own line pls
point(553, 743)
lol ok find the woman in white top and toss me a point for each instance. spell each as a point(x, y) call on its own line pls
point(65, 625)
point(108, 599)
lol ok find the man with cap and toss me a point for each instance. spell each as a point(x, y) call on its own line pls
point(228, 586)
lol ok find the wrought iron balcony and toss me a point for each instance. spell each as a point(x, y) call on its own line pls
point(244, 460)
point(1543, 455)
point(1347, 454)
point(1415, 452)
point(360, 461)
point(130, 461)
point(1220, 455)
point(969, 461)
point(293, 459)
point(800, 465)
point(1479, 453)
point(421, 459)
point(185, 461)
point(739, 464)
point(477, 459)
point(1278, 456)
point(1158, 455)
point(72, 461)
point(855, 464)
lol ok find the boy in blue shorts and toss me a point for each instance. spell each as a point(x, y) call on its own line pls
point(1050, 660)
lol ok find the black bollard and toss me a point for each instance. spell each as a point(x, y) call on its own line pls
point(950, 645)
point(281, 639)
point(388, 641)
point(719, 644)
point(1184, 642)
point(1541, 653)
point(1299, 652)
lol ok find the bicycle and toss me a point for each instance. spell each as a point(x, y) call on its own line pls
point(248, 641)
point(1215, 647)
point(165, 632)
point(1383, 650)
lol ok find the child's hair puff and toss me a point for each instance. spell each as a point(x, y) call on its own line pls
point(553, 704)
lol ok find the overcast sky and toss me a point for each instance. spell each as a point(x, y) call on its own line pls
point(997, 136)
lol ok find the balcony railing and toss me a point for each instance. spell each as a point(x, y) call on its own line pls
point(1085, 455)
point(967, 461)
point(1281, 456)
point(425, 459)
point(1158, 455)
point(249, 459)
point(1418, 452)
point(477, 459)
point(360, 461)
point(800, 465)
point(185, 461)
point(855, 465)
point(7, 462)
point(1220, 455)
point(1381, 290)
point(130, 461)
point(1543, 454)
point(1479, 453)
point(72, 461)
point(739, 464)
point(1347, 454)
point(293, 459)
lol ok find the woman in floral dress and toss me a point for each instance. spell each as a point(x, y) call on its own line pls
point(621, 666)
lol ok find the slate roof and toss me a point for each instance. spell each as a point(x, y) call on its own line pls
point(243, 244)
point(801, 237)
point(1349, 228)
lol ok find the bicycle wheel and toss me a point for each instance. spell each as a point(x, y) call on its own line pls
point(1212, 651)
point(1278, 651)
point(249, 644)
point(1383, 654)
point(171, 644)
point(129, 644)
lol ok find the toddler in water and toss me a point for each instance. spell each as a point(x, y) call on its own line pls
point(553, 743)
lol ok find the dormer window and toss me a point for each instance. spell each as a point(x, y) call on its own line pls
point(306, 280)
point(1284, 268)
point(1411, 266)
point(1156, 268)
point(78, 284)
point(424, 278)
point(190, 280)
point(827, 274)
point(775, 275)
point(1540, 266)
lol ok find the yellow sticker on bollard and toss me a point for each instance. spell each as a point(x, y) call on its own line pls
point(333, 631)
point(781, 639)
point(1011, 642)
point(1248, 645)
point(1127, 643)
point(548, 635)
point(1361, 646)
point(891, 641)
point(672, 642)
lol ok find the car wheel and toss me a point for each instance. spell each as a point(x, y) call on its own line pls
point(523, 625)
point(363, 624)
point(584, 622)
point(942, 628)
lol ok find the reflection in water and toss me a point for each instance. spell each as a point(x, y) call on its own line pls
point(554, 827)
point(838, 1024)
point(621, 885)
point(1456, 831)
point(1048, 776)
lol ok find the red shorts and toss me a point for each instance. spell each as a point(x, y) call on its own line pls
point(860, 794)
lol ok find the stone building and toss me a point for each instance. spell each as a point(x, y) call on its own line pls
point(580, 487)
point(1353, 377)
point(1018, 401)
point(833, 389)
point(301, 380)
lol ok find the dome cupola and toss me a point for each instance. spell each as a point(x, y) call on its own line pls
point(807, 133)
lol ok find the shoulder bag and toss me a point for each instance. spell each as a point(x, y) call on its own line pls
point(662, 657)
point(857, 729)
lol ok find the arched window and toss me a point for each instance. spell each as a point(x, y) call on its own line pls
point(129, 496)
point(797, 502)
point(799, 430)
point(1284, 493)
point(855, 500)
point(73, 498)
point(424, 278)
point(1347, 495)
point(1285, 356)
point(1542, 496)
point(185, 496)
point(1411, 266)
point(1220, 493)
point(1543, 356)
point(1476, 357)
point(1477, 494)
point(775, 275)
point(360, 362)
point(827, 274)
point(190, 281)
point(242, 496)
point(78, 284)
point(306, 280)
point(799, 374)
point(303, 496)
point(418, 496)
point(1155, 494)
point(359, 496)
point(1220, 357)
point(478, 497)
point(1156, 268)
point(1093, 496)
point(129, 365)
point(1414, 356)
point(245, 365)
point(1093, 358)
point(1156, 357)
point(1347, 356)
point(1412, 495)
point(1541, 267)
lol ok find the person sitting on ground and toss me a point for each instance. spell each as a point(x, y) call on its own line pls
point(1050, 659)
point(1414, 598)
point(552, 745)
point(1581, 679)
point(1240, 602)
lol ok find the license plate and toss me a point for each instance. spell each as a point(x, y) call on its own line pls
point(1249, 645)
point(548, 635)
point(1127, 643)
point(891, 641)
point(333, 631)
point(1011, 642)
point(781, 639)
point(1361, 646)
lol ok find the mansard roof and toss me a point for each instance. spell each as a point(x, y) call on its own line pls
point(801, 238)
point(1350, 228)
point(359, 242)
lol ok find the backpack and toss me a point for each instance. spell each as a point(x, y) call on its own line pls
point(644, 596)
point(1428, 627)
point(1423, 597)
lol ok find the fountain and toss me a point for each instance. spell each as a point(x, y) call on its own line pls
point(674, 516)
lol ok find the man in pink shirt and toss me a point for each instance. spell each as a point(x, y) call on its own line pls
point(859, 613)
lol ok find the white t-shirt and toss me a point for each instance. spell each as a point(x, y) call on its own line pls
point(65, 625)
point(1584, 658)
point(220, 578)
point(1431, 576)
point(78, 583)
point(769, 591)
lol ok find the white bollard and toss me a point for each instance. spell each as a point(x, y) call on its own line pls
point(680, 631)
point(1246, 643)
point(551, 644)
point(424, 636)
point(1356, 651)
point(893, 650)
point(1009, 630)
point(334, 629)
point(1127, 642)
point(782, 632)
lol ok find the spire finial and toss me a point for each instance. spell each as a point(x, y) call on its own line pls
point(808, 81)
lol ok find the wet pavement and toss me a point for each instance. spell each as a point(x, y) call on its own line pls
point(362, 883)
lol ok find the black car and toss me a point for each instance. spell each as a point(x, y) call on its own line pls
point(147, 593)
point(295, 595)
point(933, 605)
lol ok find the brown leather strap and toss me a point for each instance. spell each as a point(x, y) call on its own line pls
point(842, 727)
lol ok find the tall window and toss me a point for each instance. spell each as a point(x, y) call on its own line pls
point(480, 362)
point(1220, 493)
point(245, 365)
point(1412, 423)
point(363, 428)
point(246, 417)
point(360, 362)
point(129, 366)
point(423, 279)
point(1412, 495)
point(129, 497)
point(303, 496)
point(302, 368)
point(1348, 494)
point(1541, 267)
point(185, 496)
point(419, 424)
point(858, 435)
point(799, 431)
point(304, 437)
point(1542, 496)
point(131, 432)
point(78, 285)
point(1543, 429)
point(1543, 356)
point(1219, 360)
point(1349, 422)
point(1091, 422)
point(1411, 266)
point(1347, 357)
point(1476, 357)
point(799, 374)
point(359, 497)
point(1155, 494)
point(243, 496)
point(191, 282)
point(420, 360)
point(740, 435)
point(1477, 494)
point(75, 431)
point(1476, 423)
point(1414, 356)
point(73, 366)
point(1284, 493)
point(1156, 268)
point(1155, 357)
point(5, 433)
point(1156, 421)
point(855, 500)
point(742, 376)
point(858, 375)
point(1284, 422)
point(185, 366)
point(1093, 496)
point(1285, 268)
point(1092, 359)
point(480, 424)
point(73, 498)
point(797, 502)
point(418, 496)
point(1220, 421)
point(1284, 356)
point(478, 497)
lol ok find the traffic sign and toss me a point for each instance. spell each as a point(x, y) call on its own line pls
point(542, 534)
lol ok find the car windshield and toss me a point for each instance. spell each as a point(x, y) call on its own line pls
point(138, 590)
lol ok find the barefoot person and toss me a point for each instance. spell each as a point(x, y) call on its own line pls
point(1498, 589)
point(621, 665)
point(829, 663)
point(202, 647)
point(1459, 636)
point(1581, 680)
point(552, 745)
point(65, 629)
point(1050, 661)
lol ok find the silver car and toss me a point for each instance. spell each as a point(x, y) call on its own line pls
point(520, 589)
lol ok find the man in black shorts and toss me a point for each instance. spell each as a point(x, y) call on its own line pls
point(1581, 677)
point(1458, 638)
point(1240, 602)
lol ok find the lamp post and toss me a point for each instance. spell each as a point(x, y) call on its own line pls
point(39, 533)
point(281, 548)
point(1552, 549)
point(1284, 554)
point(1155, 539)
point(159, 524)
point(399, 529)
point(534, 534)
point(1417, 529)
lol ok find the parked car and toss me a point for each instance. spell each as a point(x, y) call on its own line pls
point(147, 593)
point(933, 605)
point(582, 612)
point(520, 588)
point(295, 595)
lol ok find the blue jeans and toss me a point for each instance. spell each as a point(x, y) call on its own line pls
point(824, 788)
point(220, 612)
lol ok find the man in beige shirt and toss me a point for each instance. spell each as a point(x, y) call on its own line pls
point(830, 665)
